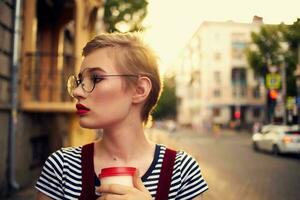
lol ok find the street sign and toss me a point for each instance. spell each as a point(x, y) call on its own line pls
point(273, 81)
point(290, 103)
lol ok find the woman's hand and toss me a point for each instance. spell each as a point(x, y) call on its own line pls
point(116, 191)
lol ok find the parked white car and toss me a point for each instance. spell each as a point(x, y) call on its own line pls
point(278, 139)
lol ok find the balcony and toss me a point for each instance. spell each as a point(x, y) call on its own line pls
point(44, 77)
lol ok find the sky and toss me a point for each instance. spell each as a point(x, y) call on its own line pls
point(171, 23)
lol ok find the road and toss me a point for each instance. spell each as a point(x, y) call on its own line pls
point(234, 171)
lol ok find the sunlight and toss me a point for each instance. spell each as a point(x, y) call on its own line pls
point(171, 23)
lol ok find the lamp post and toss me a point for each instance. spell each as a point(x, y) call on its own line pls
point(283, 89)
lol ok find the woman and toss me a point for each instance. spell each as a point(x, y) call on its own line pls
point(116, 90)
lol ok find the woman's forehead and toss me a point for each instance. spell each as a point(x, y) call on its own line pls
point(99, 57)
point(102, 67)
point(88, 70)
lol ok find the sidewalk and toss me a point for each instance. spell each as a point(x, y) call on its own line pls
point(27, 193)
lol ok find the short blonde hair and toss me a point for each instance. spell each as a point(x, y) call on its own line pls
point(132, 55)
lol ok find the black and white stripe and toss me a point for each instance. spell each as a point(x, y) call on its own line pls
point(61, 175)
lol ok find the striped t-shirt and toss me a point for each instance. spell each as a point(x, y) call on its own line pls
point(61, 177)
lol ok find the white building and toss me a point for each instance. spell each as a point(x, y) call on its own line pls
point(214, 83)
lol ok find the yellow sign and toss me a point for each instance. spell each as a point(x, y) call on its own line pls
point(273, 81)
point(290, 103)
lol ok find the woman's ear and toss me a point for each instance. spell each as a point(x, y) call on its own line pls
point(142, 89)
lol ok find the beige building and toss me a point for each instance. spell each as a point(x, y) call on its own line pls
point(36, 114)
point(214, 83)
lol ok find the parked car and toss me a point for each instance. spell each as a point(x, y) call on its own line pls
point(278, 139)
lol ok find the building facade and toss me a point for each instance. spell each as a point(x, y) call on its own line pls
point(36, 114)
point(214, 83)
point(7, 11)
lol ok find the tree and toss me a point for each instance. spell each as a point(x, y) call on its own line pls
point(268, 51)
point(166, 107)
point(124, 16)
point(291, 35)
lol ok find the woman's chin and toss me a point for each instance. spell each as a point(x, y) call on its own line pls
point(88, 125)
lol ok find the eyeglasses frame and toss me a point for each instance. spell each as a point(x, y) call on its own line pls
point(79, 82)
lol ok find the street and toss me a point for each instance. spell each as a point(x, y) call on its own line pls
point(234, 171)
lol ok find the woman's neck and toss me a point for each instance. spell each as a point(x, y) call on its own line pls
point(124, 144)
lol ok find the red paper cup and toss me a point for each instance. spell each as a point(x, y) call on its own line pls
point(117, 175)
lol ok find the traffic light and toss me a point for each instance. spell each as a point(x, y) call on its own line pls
point(272, 100)
point(273, 94)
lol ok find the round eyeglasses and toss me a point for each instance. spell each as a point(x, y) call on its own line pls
point(88, 81)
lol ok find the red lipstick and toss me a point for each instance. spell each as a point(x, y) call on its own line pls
point(81, 109)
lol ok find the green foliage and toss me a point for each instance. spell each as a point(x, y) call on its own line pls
point(291, 62)
point(267, 50)
point(166, 107)
point(256, 61)
point(292, 34)
point(125, 15)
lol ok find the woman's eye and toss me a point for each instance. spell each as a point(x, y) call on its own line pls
point(97, 78)
point(78, 81)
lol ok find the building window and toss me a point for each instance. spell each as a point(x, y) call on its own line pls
point(238, 50)
point(256, 92)
point(256, 112)
point(239, 82)
point(217, 77)
point(238, 76)
point(238, 45)
point(217, 93)
point(216, 112)
point(239, 92)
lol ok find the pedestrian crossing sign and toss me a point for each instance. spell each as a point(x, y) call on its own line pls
point(273, 81)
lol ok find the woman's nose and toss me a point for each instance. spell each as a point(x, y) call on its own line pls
point(78, 92)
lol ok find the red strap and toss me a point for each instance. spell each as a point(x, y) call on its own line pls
point(165, 177)
point(87, 165)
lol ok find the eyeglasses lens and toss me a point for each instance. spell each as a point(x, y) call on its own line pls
point(71, 85)
point(87, 82)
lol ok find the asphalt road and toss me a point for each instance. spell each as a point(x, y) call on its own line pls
point(234, 171)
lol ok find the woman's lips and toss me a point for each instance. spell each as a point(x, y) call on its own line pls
point(81, 109)
point(82, 112)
